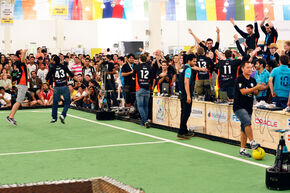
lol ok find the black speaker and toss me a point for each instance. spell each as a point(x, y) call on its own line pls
point(105, 115)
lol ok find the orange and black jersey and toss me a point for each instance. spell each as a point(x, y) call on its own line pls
point(143, 76)
point(22, 73)
point(204, 62)
point(227, 71)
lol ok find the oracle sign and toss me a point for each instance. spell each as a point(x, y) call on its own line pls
point(266, 122)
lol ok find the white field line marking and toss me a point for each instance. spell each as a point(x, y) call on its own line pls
point(172, 141)
point(81, 148)
point(7, 112)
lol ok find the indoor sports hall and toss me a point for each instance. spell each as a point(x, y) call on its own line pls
point(144, 96)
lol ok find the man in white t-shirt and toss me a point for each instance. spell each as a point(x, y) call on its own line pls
point(5, 98)
point(31, 66)
point(42, 72)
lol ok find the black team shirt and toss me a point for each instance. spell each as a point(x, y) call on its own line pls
point(58, 73)
point(143, 76)
point(252, 40)
point(227, 70)
point(244, 101)
point(213, 49)
point(127, 79)
point(204, 62)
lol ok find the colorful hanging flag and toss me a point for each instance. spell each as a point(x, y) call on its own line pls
point(18, 11)
point(211, 10)
point(277, 11)
point(249, 10)
point(190, 10)
point(87, 9)
point(108, 10)
point(220, 10)
point(77, 10)
point(231, 10)
point(29, 12)
point(269, 9)
point(97, 10)
point(170, 10)
point(118, 10)
point(259, 9)
point(200, 10)
point(70, 9)
point(181, 14)
point(286, 11)
point(240, 9)
point(128, 9)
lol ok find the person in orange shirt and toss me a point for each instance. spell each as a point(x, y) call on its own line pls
point(21, 84)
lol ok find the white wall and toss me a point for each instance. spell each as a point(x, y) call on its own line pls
point(104, 33)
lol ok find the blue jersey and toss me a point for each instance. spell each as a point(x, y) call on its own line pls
point(262, 78)
point(281, 77)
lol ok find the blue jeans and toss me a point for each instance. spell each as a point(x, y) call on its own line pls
point(244, 117)
point(58, 91)
point(142, 97)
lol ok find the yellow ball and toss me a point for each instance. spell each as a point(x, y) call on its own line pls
point(258, 153)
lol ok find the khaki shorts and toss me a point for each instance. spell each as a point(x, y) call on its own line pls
point(21, 92)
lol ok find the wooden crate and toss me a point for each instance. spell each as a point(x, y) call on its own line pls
point(217, 116)
point(263, 124)
point(287, 126)
point(174, 112)
point(160, 110)
point(234, 125)
point(196, 120)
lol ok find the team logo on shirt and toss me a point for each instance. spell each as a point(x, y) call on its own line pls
point(240, 85)
point(252, 84)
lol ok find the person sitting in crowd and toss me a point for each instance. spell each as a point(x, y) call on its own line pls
point(90, 99)
point(35, 84)
point(6, 82)
point(88, 70)
point(5, 98)
point(46, 96)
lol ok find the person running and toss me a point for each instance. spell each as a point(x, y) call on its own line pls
point(251, 37)
point(245, 89)
point(58, 73)
point(22, 80)
point(143, 77)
